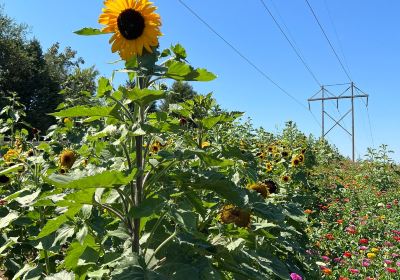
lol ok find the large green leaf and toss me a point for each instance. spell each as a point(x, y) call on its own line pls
point(136, 272)
point(5, 221)
point(178, 70)
point(181, 71)
point(217, 183)
point(103, 87)
point(210, 122)
point(86, 111)
point(14, 168)
point(106, 179)
point(200, 75)
point(62, 275)
point(87, 31)
point(179, 51)
point(144, 97)
point(147, 207)
point(81, 254)
point(54, 224)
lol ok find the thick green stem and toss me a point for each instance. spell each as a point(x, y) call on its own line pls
point(138, 191)
point(139, 183)
point(46, 257)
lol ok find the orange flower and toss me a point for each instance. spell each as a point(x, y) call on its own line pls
point(308, 211)
point(327, 271)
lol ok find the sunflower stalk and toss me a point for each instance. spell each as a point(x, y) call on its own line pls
point(139, 182)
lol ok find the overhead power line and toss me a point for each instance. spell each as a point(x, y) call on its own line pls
point(252, 64)
point(329, 41)
point(293, 44)
point(290, 43)
point(337, 37)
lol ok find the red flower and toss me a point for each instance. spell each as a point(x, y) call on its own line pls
point(329, 236)
point(391, 270)
point(343, 278)
point(339, 222)
point(363, 241)
point(351, 230)
point(347, 254)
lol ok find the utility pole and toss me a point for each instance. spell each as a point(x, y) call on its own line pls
point(349, 93)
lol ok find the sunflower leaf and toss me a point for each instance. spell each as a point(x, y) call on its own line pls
point(85, 111)
point(144, 97)
point(106, 179)
point(87, 31)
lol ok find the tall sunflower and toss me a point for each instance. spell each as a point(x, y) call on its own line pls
point(134, 24)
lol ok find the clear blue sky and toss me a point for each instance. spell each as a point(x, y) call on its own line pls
point(367, 31)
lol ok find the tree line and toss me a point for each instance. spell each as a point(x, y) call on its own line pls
point(38, 80)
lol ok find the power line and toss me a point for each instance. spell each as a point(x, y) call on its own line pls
point(326, 37)
point(337, 36)
point(252, 64)
point(369, 119)
point(293, 44)
point(290, 42)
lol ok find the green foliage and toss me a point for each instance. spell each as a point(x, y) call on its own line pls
point(120, 192)
point(36, 76)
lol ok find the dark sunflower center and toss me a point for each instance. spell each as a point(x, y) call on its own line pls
point(131, 24)
point(4, 179)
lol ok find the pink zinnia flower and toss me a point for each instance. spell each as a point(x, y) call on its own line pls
point(388, 244)
point(325, 258)
point(354, 271)
point(337, 260)
point(398, 263)
point(295, 276)
point(363, 248)
point(366, 262)
point(387, 261)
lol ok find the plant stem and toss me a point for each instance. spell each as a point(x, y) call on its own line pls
point(46, 257)
point(153, 230)
point(139, 185)
point(161, 245)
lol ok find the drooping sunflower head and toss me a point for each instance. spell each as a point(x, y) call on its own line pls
point(67, 159)
point(272, 187)
point(232, 214)
point(11, 156)
point(134, 24)
point(261, 188)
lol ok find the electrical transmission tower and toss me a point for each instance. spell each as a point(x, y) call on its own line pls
point(352, 92)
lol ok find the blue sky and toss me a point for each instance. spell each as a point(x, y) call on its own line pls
point(366, 32)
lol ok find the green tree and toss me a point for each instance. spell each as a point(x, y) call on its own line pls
point(180, 92)
point(37, 77)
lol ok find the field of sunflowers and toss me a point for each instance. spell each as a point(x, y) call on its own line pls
point(117, 191)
